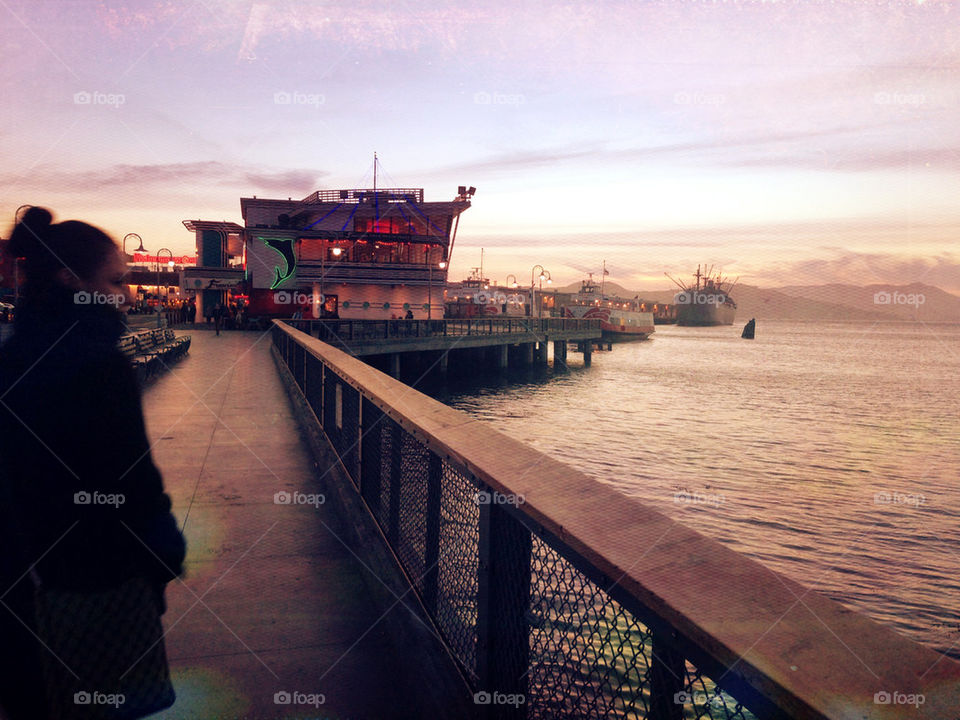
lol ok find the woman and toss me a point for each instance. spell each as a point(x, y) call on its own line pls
point(82, 506)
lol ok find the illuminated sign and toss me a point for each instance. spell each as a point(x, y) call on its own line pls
point(153, 259)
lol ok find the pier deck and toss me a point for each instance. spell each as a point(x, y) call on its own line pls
point(273, 600)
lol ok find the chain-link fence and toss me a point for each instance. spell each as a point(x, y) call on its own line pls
point(537, 630)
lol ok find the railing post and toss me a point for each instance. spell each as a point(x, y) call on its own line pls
point(503, 599)
point(667, 678)
point(431, 558)
point(396, 472)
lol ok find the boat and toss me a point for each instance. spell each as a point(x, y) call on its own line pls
point(706, 302)
point(620, 319)
point(477, 296)
point(749, 330)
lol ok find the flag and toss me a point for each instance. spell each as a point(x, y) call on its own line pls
point(606, 272)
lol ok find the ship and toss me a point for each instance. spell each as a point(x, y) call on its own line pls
point(706, 302)
point(620, 319)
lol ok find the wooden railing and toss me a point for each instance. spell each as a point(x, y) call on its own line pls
point(560, 597)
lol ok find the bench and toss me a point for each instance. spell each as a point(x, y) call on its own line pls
point(149, 351)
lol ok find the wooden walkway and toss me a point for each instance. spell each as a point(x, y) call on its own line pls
point(274, 600)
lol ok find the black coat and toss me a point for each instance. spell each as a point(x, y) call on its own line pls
point(71, 422)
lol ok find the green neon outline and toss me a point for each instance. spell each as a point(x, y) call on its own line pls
point(280, 278)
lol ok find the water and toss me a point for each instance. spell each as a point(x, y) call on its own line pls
point(827, 452)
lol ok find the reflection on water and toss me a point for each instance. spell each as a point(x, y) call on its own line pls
point(827, 452)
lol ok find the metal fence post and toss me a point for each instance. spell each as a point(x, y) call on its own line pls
point(396, 471)
point(431, 558)
point(667, 679)
point(502, 602)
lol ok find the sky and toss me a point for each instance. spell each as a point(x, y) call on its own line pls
point(786, 143)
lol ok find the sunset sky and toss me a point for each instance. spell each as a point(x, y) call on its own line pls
point(785, 142)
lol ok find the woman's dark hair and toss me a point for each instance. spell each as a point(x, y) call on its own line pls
point(48, 248)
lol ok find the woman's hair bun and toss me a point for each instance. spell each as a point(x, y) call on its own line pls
point(29, 236)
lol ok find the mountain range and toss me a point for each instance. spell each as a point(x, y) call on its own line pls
point(835, 302)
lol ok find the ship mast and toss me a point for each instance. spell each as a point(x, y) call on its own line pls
point(603, 277)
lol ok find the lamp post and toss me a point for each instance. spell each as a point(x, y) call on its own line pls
point(511, 284)
point(544, 275)
point(16, 261)
point(140, 247)
point(442, 264)
point(159, 321)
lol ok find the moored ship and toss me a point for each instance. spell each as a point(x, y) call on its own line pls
point(620, 319)
point(707, 302)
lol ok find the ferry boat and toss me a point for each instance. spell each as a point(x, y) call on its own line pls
point(706, 302)
point(476, 296)
point(620, 319)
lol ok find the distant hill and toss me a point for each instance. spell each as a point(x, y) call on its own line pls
point(905, 302)
point(825, 302)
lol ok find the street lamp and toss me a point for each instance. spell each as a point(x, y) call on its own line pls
point(514, 283)
point(140, 248)
point(442, 264)
point(544, 275)
point(159, 322)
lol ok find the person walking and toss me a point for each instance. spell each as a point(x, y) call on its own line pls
point(87, 539)
point(217, 317)
point(192, 313)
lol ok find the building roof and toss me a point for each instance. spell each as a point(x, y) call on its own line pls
point(220, 225)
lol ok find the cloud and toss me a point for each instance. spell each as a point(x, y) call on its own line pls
point(861, 268)
point(190, 176)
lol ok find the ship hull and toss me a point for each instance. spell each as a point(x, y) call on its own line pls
point(706, 314)
point(616, 325)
